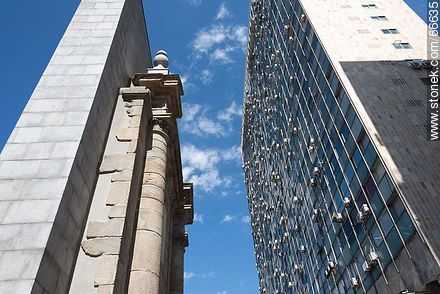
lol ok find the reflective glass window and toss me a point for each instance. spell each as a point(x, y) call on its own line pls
point(394, 242)
point(386, 187)
point(376, 203)
point(406, 226)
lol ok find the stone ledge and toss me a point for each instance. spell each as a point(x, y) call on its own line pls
point(118, 193)
point(117, 163)
point(99, 246)
point(112, 228)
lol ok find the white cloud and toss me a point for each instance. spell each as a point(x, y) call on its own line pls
point(208, 180)
point(206, 76)
point(222, 55)
point(223, 12)
point(191, 275)
point(210, 126)
point(201, 159)
point(186, 83)
point(194, 2)
point(198, 218)
point(207, 38)
point(219, 41)
point(196, 122)
point(246, 219)
point(191, 110)
point(233, 110)
point(200, 166)
point(222, 292)
point(232, 154)
point(241, 33)
point(228, 218)
point(188, 275)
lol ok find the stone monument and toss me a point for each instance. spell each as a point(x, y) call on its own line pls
point(91, 192)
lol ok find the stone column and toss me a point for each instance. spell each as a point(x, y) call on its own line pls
point(148, 246)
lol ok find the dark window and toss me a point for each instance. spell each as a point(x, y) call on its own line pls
point(386, 187)
point(394, 242)
point(399, 45)
point(376, 203)
point(379, 17)
point(406, 226)
point(390, 31)
point(369, 6)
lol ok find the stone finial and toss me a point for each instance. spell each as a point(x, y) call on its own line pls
point(161, 59)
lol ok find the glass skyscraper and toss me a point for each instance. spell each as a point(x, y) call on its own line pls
point(341, 179)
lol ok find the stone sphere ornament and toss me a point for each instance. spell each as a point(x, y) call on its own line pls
point(161, 59)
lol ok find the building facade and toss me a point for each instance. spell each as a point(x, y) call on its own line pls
point(92, 198)
point(339, 172)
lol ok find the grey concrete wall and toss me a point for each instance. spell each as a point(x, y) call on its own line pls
point(48, 168)
point(398, 111)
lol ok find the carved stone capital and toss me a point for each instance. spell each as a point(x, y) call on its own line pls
point(160, 125)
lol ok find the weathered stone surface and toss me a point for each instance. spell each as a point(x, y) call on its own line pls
point(102, 48)
point(136, 102)
point(156, 153)
point(117, 162)
point(25, 263)
point(106, 270)
point(16, 287)
point(160, 137)
point(97, 246)
point(127, 134)
point(123, 176)
point(135, 121)
point(105, 289)
point(146, 256)
point(160, 145)
point(31, 211)
point(148, 203)
point(154, 179)
point(134, 111)
point(143, 282)
point(152, 191)
point(150, 220)
point(118, 193)
point(132, 146)
point(155, 165)
point(27, 238)
point(117, 211)
point(112, 228)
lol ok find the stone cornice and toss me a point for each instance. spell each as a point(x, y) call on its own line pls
point(163, 86)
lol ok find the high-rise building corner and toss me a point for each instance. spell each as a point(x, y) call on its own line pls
point(341, 178)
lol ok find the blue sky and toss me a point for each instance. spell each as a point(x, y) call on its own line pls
point(206, 41)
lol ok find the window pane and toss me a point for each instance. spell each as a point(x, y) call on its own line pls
point(377, 237)
point(355, 186)
point(377, 204)
point(394, 242)
point(378, 170)
point(406, 226)
point(357, 158)
point(370, 187)
point(356, 127)
point(397, 208)
point(384, 256)
point(362, 172)
point(386, 187)
point(370, 155)
point(386, 223)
